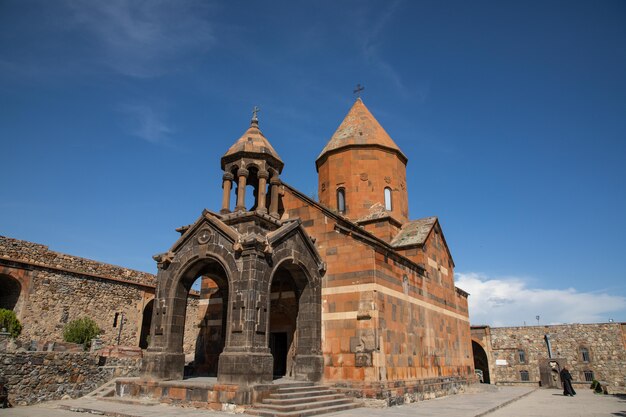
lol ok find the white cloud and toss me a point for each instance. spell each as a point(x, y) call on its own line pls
point(147, 123)
point(509, 301)
point(144, 38)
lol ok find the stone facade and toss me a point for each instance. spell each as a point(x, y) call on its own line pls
point(50, 289)
point(34, 377)
point(520, 355)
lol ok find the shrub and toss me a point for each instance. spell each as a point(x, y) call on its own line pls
point(81, 331)
point(9, 321)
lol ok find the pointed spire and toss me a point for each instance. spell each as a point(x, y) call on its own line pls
point(360, 128)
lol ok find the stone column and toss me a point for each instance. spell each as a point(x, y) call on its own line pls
point(263, 176)
point(228, 178)
point(274, 182)
point(242, 175)
point(246, 359)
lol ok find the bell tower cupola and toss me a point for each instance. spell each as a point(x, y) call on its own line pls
point(252, 161)
point(361, 171)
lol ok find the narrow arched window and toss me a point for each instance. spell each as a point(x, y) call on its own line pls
point(388, 199)
point(341, 200)
point(521, 355)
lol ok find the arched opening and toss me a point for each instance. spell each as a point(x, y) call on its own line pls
point(212, 328)
point(480, 361)
point(388, 205)
point(252, 189)
point(10, 294)
point(144, 336)
point(200, 321)
point(283, 322)
point(341, 200)
point(294, 327)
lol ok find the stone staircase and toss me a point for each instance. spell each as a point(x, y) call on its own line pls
point(106, 390)
point(302, 400)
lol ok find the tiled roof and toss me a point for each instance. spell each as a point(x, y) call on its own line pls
point(252, 142)
point(377, 211)
point(414, 232)
point(360, 127)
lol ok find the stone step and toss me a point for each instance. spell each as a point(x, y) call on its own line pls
point(287, 401)
point(313, 392)
point(297, 388)
point(285, 408)
point(294, 384)
point(264, 412)
point(130, 400)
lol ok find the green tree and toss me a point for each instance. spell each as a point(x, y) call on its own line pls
point(9, 321)
point(81, 331)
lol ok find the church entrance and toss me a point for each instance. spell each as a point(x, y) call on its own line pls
point(284, 302)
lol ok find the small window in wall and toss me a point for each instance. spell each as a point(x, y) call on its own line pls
point(584, 354)
point(521, 355)
point(588, 376)
point(388, 205)
point(523, 376)
point(341, 200)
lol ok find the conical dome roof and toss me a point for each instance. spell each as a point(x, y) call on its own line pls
point(253, 144)
point(360, 128)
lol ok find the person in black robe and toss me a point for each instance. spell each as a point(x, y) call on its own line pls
point(566, 379)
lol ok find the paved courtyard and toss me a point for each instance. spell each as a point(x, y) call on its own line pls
point(492, 402)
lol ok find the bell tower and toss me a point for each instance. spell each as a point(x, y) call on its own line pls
point(252, 161)
point(362, 171)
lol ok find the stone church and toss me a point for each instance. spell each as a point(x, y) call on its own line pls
point(346, 291)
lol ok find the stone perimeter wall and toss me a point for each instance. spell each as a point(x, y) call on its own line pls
point(33, 377)
point(36, 254)
point(57, 288)
point(605, 342)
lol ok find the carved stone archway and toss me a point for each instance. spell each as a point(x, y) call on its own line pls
point(242, 251)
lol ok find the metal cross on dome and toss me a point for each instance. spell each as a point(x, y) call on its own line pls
point(358, 90)
point(255, 110)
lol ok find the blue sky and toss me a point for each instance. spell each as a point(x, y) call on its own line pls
point(114, 116)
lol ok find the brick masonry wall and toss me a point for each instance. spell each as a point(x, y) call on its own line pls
point(364, 173)
point(34, 377)
point(604, 341)
point(377, 326)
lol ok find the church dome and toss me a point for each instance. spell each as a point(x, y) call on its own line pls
point(254, 145)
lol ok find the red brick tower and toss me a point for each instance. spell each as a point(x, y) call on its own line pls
point(361, 171)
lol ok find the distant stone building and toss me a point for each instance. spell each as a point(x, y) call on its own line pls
point(346, 290)
point(534, 355)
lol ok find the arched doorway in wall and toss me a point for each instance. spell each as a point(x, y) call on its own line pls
point(292, 307)
point(10, 294)
point(206, 330)
point(480, 361)
point(145, 325)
